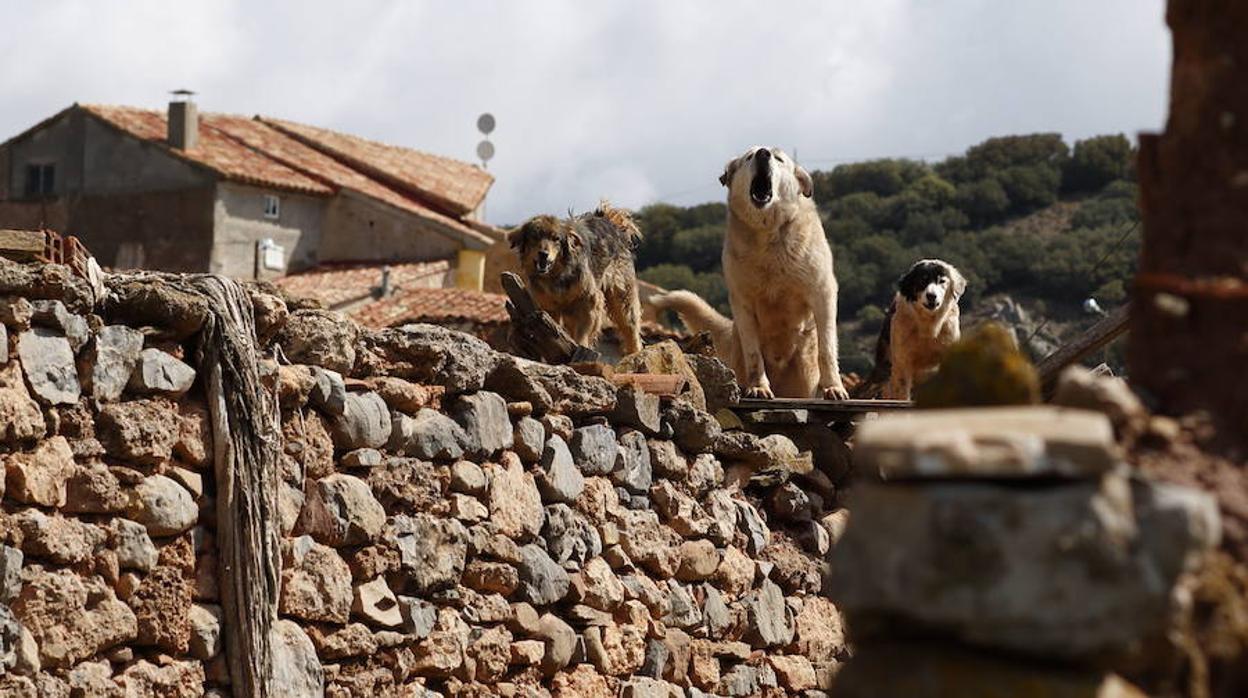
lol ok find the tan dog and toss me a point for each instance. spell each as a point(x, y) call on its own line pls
point(778, 268)
point(580, 270)
point(920, 325)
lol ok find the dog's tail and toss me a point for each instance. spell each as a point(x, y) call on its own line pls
point(873, 386)
point(621, 219)
point(697, 314)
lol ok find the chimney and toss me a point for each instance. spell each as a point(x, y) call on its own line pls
point(183, 121)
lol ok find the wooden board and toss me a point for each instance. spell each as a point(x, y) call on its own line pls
point(22, 244)
point(822, 406)
point(1103, 332)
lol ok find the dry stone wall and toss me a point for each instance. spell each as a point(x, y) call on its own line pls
point(453, 520)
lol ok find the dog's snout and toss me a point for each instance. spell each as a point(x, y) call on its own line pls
point(762, 154)
point(931, 297)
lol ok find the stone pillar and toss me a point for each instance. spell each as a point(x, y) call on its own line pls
point(1189, 327)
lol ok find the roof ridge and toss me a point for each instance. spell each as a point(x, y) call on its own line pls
point(446, 158)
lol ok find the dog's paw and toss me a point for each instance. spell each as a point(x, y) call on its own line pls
point(759, 392)
point(835, 392)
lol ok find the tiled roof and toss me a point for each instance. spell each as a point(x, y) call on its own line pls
point(337, 285)
point(456, 185)
point(256, 151)
point(216, 150)
point(434, 305)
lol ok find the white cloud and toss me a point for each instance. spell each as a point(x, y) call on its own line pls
point(629, 100)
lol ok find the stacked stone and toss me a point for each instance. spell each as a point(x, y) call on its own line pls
point(106, 580)
point(1010, 532)
point(458, 521)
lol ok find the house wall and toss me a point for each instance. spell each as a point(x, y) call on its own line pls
point(116, 163)
point(170, 231)
point(358, 229)
point(59, 142)
point(239, 224)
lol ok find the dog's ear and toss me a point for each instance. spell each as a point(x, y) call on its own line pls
point(959, 282)
point(729, 170)
point(572, 238)
point(518, 237)
point(804, 181)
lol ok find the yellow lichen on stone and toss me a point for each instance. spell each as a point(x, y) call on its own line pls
point(984, 368)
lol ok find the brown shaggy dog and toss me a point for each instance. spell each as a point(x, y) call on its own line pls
point(580, 270)
point(918, 328)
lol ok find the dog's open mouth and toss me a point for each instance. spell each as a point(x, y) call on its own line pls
point(760, 186)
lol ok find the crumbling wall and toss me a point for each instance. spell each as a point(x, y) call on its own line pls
point(454, 521)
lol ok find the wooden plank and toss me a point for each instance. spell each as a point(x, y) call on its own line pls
point(661, 384)
point(23, 244)
point(1106, 330)
point(534, 334)
point(824, 406)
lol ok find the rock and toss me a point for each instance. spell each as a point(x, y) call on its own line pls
point(354, 640)
point(329, 392)
point(632, 465)
point(163, 506)
point(597, 586)
point(559, 425)
point(746, 680)
point(594, 449)
point(289, 504)
point(162, 606)
point(194, 441)
point(21, 418)
point(551, 388)
point(94, 489)
point(1016, 442)
point(108, 363)
point(296, 670)
point(637, 409)
point(39, 477)
point(719, 383)
point(770, 622)
point(705, 473)
point(666, 358)
point(71, 617)
point(693, 430)
point(139, 431)
point(205, 622)
point(559, 640)
point(16, 312)
point(723, 512)
point(559, 480)
point(53, 314)
point(836, 523)
point(789, 503)
point(649, 543)
point(432, 551)
point(667, 461)
point(581, 682)
point(698, 560)
point(61, 540)
point(814, 538)
point(158, 372)
point(430, 435)
point(820, 634)
point(10, 572)
point(134, 547)
point(715, 613)
point(434, 355)
point(491, 577)
point(177, 679)
point(340, 510)
point(419, 616)
point(486, 424)
point(616, 650)
point(704, 665)
point(26, 657)
point(491, 650)
point(316, 582)
point(756, 532)
point(542, 580)
point(680, 511)
point(529, 439)
point(10, 638)
point(294, 384)
point(407, 485)
point(1017, 580)
point(320, 338)
point(364, 423)
point(683, 611)
point(468, 477)
point(48, 362)
point(656, 659)
point(270, 312)
point(93, 679)
point(1079, 388)
point(514, 501)
point(569, 536)
point(375, 603)
point(527, 652)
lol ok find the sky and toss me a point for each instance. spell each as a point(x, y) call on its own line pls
point(635, 101)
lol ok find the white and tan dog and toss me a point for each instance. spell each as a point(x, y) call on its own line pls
point(920, 325)
point(778, 269)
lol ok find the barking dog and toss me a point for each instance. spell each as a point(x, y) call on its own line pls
point(919, 326)
point(580, 270)
point(778, 268)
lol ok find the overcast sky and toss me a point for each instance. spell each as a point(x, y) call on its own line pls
point(636, 101)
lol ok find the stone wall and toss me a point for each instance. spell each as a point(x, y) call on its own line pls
point(454, 521)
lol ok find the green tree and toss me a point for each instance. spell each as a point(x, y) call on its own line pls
point(1096, 162)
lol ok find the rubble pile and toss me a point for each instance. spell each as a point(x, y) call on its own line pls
point(1008, 552)
point(453, 520)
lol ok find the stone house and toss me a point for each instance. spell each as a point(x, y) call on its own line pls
point(245, 197)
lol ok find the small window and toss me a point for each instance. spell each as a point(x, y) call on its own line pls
point(272, 207)
point(40, 179)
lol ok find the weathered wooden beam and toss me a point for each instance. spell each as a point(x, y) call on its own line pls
point(844, 407)
point(1098, 335)
point(534, 334)
point(660, 384)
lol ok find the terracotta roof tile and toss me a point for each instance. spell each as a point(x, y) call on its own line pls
point(434, 305)
point(456, 185)
point(338, 285)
